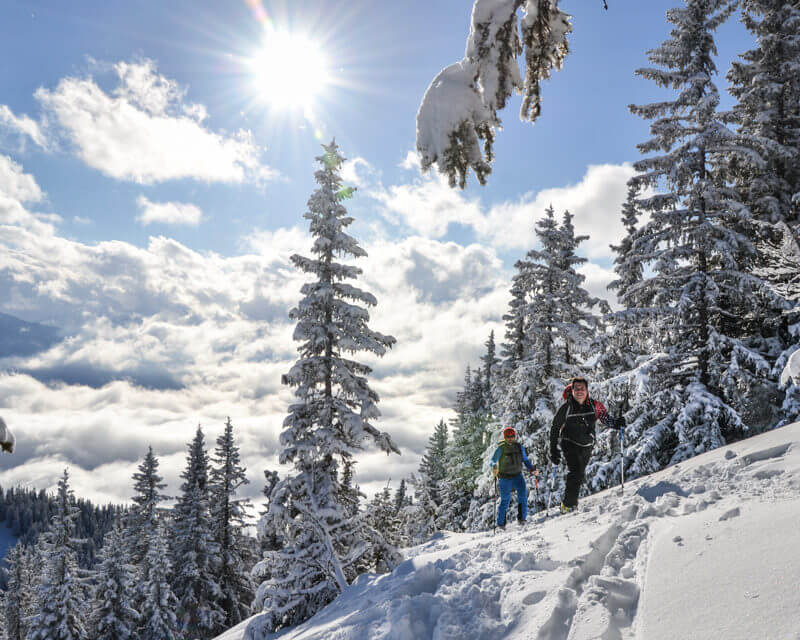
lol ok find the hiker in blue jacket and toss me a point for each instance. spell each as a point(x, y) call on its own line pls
point(507, 464)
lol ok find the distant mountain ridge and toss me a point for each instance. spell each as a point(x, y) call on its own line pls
point(21, 338)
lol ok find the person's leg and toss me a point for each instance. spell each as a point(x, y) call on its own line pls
point(504, 485)
point(576, 465)
point(522, 497)
point(584, 455)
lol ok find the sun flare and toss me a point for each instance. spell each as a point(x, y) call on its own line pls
point(291, 71)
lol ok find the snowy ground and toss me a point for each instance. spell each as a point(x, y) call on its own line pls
point(705, 549)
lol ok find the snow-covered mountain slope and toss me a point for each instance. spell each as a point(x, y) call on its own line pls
point(709, 548)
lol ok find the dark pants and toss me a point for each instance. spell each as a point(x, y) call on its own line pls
point(576, 459)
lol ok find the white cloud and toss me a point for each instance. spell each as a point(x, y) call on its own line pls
point(15, 184)
point(427, 205)
point(145, 133)
point(356, 171)
point(81, 220)
point(411, 161)
point(595, 201)
point(597, 280)
point(21, 125)
point(168, 212)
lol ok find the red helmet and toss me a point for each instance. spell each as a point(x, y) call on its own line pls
point(509, 432)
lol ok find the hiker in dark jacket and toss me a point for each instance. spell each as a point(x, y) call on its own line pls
point(573, 430)
point(507, 464)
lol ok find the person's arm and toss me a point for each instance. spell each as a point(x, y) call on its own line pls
point(608, 421)
point(496, 457)
point(525, 460)
point(558, 422)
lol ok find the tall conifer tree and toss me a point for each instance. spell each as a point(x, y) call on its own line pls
point(324, 542)
point(195, 554)
point(20, 598)
point(228, 520)
point(693, 391)
point(766, 83)
point(61, 612)
point(113, 617)
point(158, 620)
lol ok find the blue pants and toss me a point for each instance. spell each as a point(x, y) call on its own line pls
point(506, 485)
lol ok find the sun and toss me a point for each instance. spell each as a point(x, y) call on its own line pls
point(291, 71)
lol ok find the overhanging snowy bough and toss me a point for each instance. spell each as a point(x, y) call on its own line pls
point(459, 112)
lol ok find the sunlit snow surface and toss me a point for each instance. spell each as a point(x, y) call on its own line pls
point(709, 548)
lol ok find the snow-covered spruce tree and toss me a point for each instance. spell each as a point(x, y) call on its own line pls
point(401, 498)
point(419, 518)
point(433, 466)
point(766, 83)
point(383, 518)
point(471, 431)
point(459, 111)
point(141, 520)
point(560, 324)
point(691, 399)
point(19, 599)
point(782, 272)
point(158, 620)
point(113, 616)
point(490, 363)
point(195, 554)
point(514, 395)
point(228, 522)
point(581, 324)
point(323, 544)
point(61, 613)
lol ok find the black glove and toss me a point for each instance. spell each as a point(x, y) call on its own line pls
point(555, 458)
point(621, 424)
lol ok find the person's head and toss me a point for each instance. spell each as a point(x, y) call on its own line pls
point(580, 389)
point(509, 435)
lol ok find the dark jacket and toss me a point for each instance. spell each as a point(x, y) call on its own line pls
point(575, 423)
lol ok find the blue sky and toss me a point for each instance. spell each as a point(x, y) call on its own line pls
point(116, 114)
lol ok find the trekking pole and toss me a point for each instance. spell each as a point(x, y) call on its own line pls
point(536, 486)
point(550, 490)
point(626, 405)
point(494, 513)
point(622, 456)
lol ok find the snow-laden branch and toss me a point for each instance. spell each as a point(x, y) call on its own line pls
point(458, 113)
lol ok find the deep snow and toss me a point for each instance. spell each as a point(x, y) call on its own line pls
point(704, 549)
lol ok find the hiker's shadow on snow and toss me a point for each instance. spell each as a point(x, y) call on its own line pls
point(660, 489)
